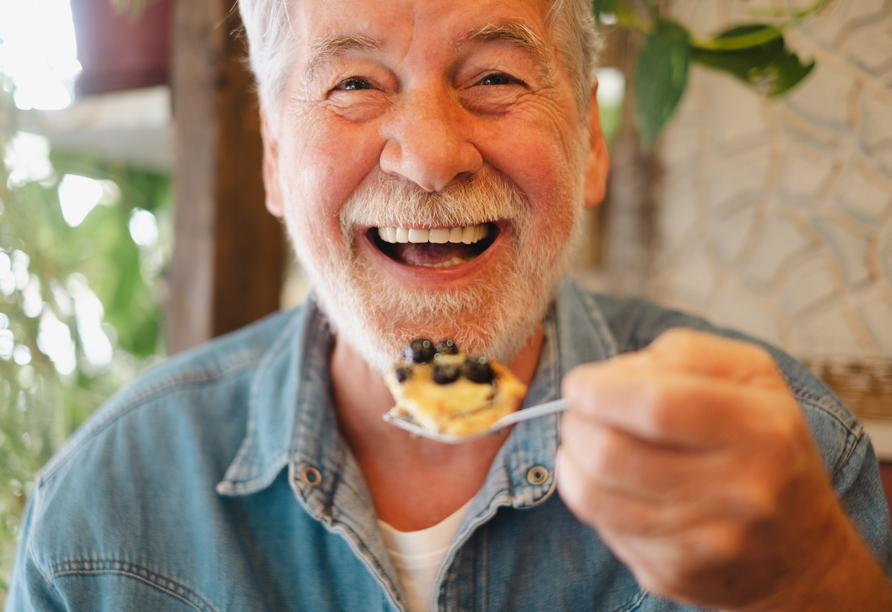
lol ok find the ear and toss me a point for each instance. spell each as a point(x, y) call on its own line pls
point(597, 162)
point(274, 201)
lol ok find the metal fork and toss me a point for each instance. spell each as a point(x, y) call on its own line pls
point(405, 422)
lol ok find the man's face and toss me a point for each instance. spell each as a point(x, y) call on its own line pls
point(452, 125)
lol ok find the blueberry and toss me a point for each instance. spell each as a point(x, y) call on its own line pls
point(446, 373)
point(419, 351)
point(447, 347)
point(403, 374)
point(478, 370)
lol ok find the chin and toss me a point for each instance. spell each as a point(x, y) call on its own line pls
point(378, 318)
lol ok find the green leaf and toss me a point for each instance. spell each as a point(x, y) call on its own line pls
point(660, 77)
point(768, 67)
point(603, 6)
point(787, 72)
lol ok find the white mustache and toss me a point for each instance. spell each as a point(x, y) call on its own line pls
point(468, 202)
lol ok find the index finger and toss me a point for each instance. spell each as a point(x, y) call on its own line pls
point(689, 350)
point(684, 409)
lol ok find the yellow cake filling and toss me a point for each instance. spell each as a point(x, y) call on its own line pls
point(457, 408)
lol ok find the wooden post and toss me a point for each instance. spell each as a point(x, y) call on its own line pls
point(629, 210)
point(229, 254)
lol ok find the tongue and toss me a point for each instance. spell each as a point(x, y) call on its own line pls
point(430, 254)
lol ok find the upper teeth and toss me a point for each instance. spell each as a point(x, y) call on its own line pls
point(465, 235)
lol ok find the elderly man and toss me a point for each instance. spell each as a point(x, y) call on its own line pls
point(431, 160)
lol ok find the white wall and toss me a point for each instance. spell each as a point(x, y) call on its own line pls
point(776, 217)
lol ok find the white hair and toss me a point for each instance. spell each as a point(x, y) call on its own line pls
point(271, 43)
point(571, 24)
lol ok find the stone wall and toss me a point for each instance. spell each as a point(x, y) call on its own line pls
point(776, 217)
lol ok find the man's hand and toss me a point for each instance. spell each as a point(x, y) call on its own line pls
point(694, 463)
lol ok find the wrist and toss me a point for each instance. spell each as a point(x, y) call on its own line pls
point(839, 575)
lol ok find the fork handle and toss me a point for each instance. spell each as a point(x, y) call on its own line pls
point(532, 413)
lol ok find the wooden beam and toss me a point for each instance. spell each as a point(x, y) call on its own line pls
point(229, 253)
point(864, 386)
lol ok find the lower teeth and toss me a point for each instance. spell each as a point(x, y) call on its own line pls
point(448, 263)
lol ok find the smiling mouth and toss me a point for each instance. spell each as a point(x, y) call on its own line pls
point(434, 248)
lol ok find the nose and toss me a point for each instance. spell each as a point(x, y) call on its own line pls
point(428, 140)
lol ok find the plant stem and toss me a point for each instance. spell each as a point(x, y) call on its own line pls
point(736, 43)
point(746, 41)
point(795, 16)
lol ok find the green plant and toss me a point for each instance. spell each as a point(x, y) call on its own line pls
point(78, 311)
point(754, 53)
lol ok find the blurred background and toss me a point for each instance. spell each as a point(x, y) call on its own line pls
point(132, 220)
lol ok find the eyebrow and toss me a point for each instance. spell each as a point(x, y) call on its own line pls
point(330, 46)
point(512, 32)
point(520, 35)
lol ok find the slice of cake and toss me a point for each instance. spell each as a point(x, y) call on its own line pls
point(447, 391)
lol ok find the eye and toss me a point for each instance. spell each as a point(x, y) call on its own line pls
point(354, 84)
point(499, 78)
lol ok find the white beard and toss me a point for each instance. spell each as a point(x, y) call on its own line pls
point(493, 316)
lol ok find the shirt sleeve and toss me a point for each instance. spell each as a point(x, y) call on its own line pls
point(30, 590)
point(859, 489)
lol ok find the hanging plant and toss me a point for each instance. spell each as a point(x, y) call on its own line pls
point(754, 53)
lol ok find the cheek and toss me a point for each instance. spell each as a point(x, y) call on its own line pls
point(326, 163)
point(542, 164)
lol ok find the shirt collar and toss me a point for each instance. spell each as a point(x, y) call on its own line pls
point(290, 394)
point(291, 420)
point(575, 332)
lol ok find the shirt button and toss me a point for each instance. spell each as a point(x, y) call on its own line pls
point(537, 475)
point(311, 476)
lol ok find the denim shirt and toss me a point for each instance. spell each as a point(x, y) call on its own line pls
point(220, 481)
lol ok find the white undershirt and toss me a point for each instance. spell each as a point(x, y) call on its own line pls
point(418, 555)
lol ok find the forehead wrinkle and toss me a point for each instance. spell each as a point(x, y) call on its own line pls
point(515, 33)
point(329, 46)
